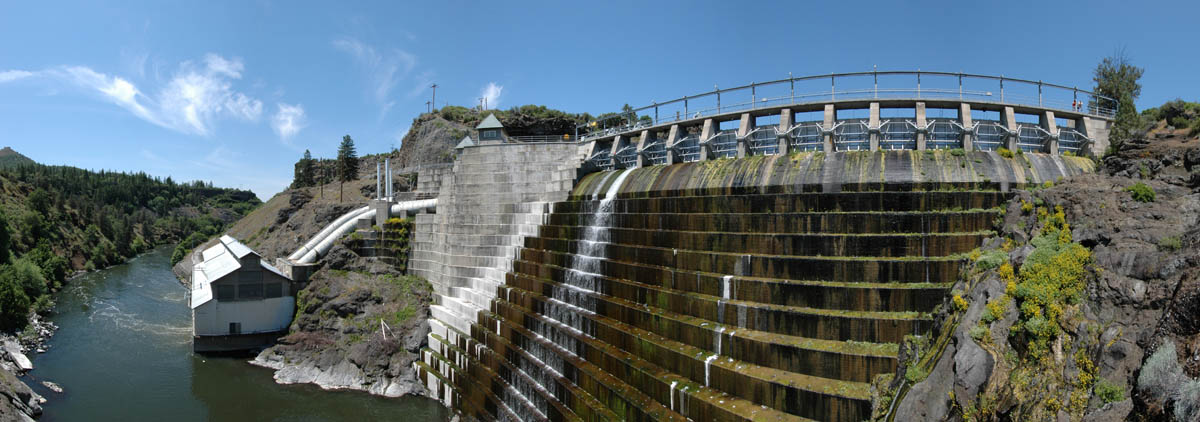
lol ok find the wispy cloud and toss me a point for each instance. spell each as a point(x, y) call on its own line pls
point(384, 69)
point(491, 94)
point(288, 120)
point(12, 75)
point(190, 102)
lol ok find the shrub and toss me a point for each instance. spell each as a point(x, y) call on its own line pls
point(1026, 207)
point(1171, 243)
point(1141, 193)
point(915, 373)
point(991, 259)
point(978, 332)
point(1161, 373)
point(1187, 401)
point(958, 152)
point(1109, 391)
point(1005, 152)
point(995, 309)
point(960, 304)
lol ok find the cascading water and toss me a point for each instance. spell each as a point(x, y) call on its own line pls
point(580, 280)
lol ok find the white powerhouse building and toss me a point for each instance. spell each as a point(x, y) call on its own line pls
point(238, 300)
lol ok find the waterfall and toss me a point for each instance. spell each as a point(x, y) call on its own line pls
point(672, 394)
point(708, 367)
point(586, 264)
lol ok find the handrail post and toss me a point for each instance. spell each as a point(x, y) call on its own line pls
point(753, 96)
point(656, 113)
point(832, 88)
point(1039, 93)
point(960, 97)
point(876, 74)
point(685, 108)
point(918, 83)
point(1002, 88)
point(718, 102)
point(793, 88)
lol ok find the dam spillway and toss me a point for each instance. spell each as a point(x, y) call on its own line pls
point(764, 288)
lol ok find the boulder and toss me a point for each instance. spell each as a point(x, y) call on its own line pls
point(928, 400)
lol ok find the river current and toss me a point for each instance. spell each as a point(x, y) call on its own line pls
point(123, 353)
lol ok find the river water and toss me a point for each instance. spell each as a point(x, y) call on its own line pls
point(123, 353)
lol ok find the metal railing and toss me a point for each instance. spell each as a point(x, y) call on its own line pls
point(542, 138)
point(747, 97)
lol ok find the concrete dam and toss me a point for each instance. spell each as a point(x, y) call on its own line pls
point(763, 284)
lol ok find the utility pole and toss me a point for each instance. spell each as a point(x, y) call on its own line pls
point(433, 101)
point(428, 107)
point(481, 108)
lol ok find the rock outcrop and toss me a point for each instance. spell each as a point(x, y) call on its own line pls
point(1142, 289)
point(359, 325)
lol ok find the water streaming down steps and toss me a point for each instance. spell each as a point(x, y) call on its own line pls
point(686, 305)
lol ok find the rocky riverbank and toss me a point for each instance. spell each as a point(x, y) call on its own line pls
point(1138, 224)
point(359, 325)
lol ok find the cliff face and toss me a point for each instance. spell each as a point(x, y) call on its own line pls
point(1139, 293)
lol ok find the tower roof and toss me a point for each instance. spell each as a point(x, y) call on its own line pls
point(490, 122)
point(465, 142)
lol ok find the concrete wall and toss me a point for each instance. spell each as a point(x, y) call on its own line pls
point(267, 315)
point(494, 197)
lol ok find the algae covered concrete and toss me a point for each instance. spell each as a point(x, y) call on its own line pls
point(822, 172)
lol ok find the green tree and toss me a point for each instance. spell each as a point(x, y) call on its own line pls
point(304, 176)
point(14, 304)
point(1117, 79)
point(40, 201)
point(5, 238)
point(347, 163)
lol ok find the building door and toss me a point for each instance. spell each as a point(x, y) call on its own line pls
point(235, 328)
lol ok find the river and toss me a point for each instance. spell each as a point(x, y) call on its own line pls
point(123, 352)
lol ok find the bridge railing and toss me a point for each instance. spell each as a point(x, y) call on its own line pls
point(854, 85)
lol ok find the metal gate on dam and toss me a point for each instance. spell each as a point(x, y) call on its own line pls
point(671, 268)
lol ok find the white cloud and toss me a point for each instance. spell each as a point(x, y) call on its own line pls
point(288, 120)
point(12, 75)
point(491, 94)
point(191, 101)
point(384, 69)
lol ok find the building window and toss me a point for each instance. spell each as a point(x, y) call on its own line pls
point(235, 328)
point(488, 134)
point(250, 291)
point(273, 290)
point(225, 293)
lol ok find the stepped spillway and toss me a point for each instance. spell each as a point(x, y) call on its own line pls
point(684, 292)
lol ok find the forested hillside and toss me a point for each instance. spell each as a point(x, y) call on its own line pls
point(56, 220)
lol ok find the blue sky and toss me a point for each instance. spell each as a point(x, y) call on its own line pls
point(234, 92)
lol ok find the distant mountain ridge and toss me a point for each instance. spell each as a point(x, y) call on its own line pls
point(11, 158)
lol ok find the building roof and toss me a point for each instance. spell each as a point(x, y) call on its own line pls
point(219, 261)
point(237, 248)
point(490, 122)
point(465, 142)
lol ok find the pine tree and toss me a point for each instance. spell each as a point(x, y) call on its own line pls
point(1117, 79)
point(347, 162)
point(304, 176)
